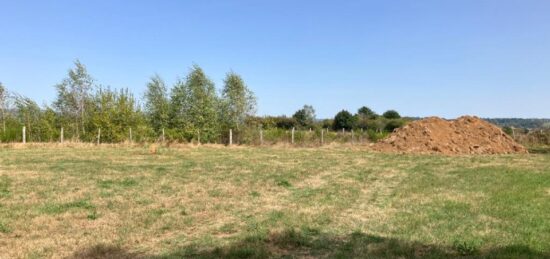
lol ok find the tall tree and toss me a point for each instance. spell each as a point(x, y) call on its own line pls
point(343, 120)
point(194, 106)
point(366, 113)
point(305, 116)
point(73, 94)
point(157, 104)
point(238, 102)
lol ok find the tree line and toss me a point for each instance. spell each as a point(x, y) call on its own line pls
point(191, 110)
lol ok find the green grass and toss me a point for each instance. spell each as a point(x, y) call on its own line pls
point(213, 202)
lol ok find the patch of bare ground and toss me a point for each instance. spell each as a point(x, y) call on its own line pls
point(465, 135)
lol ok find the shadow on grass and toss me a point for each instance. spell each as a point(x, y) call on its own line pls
point(294, 244)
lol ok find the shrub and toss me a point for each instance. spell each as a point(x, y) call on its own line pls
point(391, 114)
point(343, 120)
point(393, 124)
point(508, 130)
point(367, 113)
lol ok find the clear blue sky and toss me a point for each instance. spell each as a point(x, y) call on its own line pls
point(444, 58)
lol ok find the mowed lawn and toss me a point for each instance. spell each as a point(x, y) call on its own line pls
point(211, 202)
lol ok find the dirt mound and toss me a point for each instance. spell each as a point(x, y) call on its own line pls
point(465, 135)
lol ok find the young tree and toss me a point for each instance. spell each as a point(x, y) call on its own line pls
point(305, 116)
point(237, 102)
point(73, 93)
point(343, 120)
point(3, 106)
point(114, 112)
point(28, 113)
point(194, 106)
point(157, 106)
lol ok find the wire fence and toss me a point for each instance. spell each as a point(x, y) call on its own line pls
point(247, 136)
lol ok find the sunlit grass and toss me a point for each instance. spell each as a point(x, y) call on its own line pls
point(256, 202)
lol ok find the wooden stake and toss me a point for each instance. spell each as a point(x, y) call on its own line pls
point(322, 137)
point(261, 137)
point(292, 139)
point(230, 137)
point(24, 134)
point(162, 135)
point(130, 135)
point(61, 136)
point(98, 136)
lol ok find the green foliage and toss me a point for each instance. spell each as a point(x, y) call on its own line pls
point(393, 124)
point(305, 117)
point(366, 113)
point(194, 108)
point(157, 106)
point(3, 107)
point(376, 135)
point(391, 114)
point(115, 113)
point(508, 130)
point(73, 96)
point(237, 102)
point(466, 247)
point(286, 123)
point(343, 120)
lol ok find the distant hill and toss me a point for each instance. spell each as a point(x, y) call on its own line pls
point(519, 123)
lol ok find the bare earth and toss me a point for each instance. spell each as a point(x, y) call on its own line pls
point(465, 135)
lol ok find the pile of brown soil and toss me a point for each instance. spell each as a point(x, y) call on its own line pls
point(465, 135)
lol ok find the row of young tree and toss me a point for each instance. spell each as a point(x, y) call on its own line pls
point(191, 110)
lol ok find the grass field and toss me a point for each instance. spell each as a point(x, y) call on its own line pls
point(260, 202)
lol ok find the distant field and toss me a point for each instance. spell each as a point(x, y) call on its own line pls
point(270, 202)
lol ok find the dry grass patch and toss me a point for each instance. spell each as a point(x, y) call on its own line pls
point(212, 201)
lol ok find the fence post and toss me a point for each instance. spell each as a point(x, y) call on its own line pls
point(322, 136)
point(352, 136)
point(230, 137)
point(292, 139)
point(24, 135)
point(61, 136)
point(162, 135)
point(98, 136)
point(130, 135)
point(261, 137)
point(199, 138)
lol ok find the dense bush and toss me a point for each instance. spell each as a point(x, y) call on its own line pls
point(343, 120)
point(393, 124)
point(391, 114)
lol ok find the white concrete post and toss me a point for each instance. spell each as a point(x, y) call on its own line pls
point(24, 134)
point(292, 139)
point(230, 137)
point(61, 136)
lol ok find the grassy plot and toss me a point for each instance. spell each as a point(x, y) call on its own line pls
point(270, 202)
